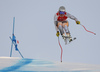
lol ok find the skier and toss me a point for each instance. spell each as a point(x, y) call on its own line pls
point(61, 23)
point(14, 40)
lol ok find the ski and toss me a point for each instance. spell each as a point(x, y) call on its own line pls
point(66, 40)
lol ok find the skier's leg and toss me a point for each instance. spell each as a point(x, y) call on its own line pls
point(14, 40)
point(65, 26)
point(60, 27)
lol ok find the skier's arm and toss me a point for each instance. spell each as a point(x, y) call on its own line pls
point(55, 22)
point(71, 17)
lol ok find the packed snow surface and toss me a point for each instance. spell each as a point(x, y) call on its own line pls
point(34, 65)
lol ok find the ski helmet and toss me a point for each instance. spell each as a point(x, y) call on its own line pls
point(62, 8)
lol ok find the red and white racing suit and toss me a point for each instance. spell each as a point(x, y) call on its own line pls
point(58, 18)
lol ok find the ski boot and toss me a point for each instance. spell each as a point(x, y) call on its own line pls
point(65, 38)
point(69, 36)
point(70, 39)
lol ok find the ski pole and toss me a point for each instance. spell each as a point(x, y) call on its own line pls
point(61, 48)
point(87, 30)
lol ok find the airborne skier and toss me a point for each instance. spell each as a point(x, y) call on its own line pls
point(61, 23)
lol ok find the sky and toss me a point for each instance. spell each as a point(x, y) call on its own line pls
point(35, 30)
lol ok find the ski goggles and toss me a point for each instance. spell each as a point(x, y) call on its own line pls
point(61, 12)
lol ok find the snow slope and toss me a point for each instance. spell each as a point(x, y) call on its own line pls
point(15, 64)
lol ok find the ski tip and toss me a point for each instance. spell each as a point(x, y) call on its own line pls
point(13, 17)
point(94, 33)
point(75, 38)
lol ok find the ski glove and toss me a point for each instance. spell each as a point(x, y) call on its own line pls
point(77, 22)
point(57, 34)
